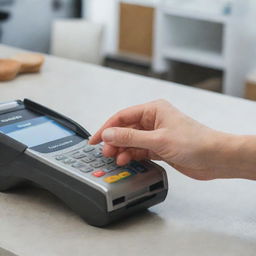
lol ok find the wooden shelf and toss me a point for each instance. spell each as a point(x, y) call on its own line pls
point(195, 56)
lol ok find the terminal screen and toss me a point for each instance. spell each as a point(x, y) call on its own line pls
point(36, 131)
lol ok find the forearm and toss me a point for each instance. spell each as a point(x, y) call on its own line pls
point(235, 156)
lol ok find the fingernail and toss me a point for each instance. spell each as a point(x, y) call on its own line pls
point(89, 139)
point(108, 135)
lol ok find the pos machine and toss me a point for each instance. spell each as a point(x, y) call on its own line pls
point(50, 150)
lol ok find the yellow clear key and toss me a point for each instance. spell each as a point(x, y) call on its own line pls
point(123, 175)
point(112, 179)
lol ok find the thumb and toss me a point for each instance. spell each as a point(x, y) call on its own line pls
point(128, 137)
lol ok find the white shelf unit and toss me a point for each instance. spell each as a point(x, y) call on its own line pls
point(206, 38)
point(197, 14)
point(194, 41)
point(195, 56)
point(191, 37)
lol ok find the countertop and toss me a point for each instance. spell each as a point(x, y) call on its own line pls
point(198, 218)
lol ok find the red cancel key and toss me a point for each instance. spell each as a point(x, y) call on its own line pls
point(98, 173)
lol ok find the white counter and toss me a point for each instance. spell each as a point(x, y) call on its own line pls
point(197, 218)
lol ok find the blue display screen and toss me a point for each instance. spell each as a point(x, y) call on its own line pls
point(36, 131)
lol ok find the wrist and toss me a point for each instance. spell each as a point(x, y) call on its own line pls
point(234, 156)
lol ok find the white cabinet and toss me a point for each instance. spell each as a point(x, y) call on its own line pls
point(206, 38)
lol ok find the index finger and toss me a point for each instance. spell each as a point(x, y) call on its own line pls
point(122, 118)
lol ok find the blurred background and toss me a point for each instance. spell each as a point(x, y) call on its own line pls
point(208, 44)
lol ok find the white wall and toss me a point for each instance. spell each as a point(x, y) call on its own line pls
point(30, 24)
point(104, 12)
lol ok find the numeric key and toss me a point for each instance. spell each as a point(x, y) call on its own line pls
point(79, 155)
point(108, 160)
point(60, 157)
point(78, 165)
point(88, 148)
point(69, 161)
point(86, 169)
point(97, 164)
point(88, 159)
point(98, 154)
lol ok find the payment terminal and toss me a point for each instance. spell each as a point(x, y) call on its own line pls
point(40, 146)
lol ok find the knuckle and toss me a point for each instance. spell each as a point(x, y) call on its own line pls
point(160, 138)
point(119, 115)
point(162, 100)
point(126, 136)
point(162, 103)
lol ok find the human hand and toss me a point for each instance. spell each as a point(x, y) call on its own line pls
point(158, 131)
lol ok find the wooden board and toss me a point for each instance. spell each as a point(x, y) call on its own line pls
point(136, 29)
point(250, 92)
